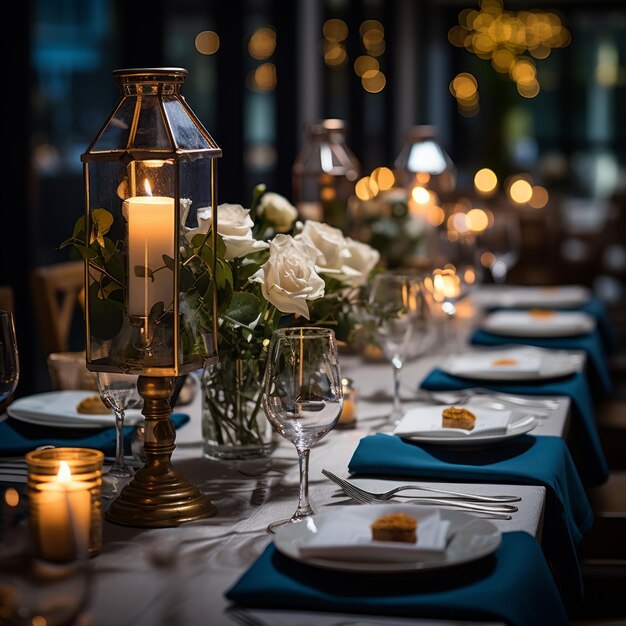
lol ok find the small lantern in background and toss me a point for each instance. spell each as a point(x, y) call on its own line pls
point(147, 313)
point(324, 174)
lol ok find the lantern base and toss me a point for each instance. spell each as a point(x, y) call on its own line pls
point(159, 495)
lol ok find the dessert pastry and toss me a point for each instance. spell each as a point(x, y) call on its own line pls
point(395, 527)
point(457, 417)
point(504, 362)
point(92, 405)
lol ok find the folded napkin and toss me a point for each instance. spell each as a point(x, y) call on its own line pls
point(347, 536)
point(591, 343)
point(513, 585)
point(427, 421)
point(524, 460)
point(589, 454)
point(18, 438)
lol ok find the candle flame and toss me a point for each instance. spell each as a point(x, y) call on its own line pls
point(147, 187)
point(64, 475)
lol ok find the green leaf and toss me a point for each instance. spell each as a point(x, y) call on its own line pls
point(102, 221)
point(244, 307)
point(142, 272)
point(105, 315)
point(156, 311)
point(168, 261)
point(87, 253)
point(79, 229)
point(186, 279)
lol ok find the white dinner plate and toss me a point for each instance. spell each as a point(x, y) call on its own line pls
point(514, 363)
point(469, 539)
point(551, 297)
point(534, 324)
point(58, 408)
point(423, 425)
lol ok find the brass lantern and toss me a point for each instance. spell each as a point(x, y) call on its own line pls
point(148, 171)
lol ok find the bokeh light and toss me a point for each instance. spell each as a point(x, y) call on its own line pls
point(485, 181)
point(262, 43)
point(335, 30)
point(478, 220)
point(421, 195)
point(520, 191)
point(207, 42)
point(539, 198)
point(383, 177)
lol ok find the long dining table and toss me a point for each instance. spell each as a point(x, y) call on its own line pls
point(180, 575)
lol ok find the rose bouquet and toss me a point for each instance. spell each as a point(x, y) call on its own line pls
point(281, 272)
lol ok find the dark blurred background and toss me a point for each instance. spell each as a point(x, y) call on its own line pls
point(260, 69)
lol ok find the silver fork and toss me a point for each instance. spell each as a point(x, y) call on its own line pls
point(494, 511)
point(463, 395)
point(386, 495)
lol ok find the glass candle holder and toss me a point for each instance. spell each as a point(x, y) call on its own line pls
point(347, 419)
point(64, 486)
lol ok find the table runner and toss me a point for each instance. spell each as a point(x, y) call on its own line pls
point(17, 438)
point(525, 460)
point(513, 585)
point(591, 460)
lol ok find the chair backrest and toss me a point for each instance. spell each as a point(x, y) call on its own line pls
point(56, 289)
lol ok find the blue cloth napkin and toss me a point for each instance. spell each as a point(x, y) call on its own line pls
point(588, 450)
point(18, 437)
point(524, 460)
point(595, 307)
point(513, 585)
point(591, 343)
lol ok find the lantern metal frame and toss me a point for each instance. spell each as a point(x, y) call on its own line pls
point(159, 495)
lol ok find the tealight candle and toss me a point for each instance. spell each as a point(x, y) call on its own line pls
point(64, 487)
point(63, 517)
point(347, 419)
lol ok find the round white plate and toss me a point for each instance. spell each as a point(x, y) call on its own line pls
point(552, 364)
point(472, 538)
point(520, 427)
point(58, 408)
point(526, 324)
point(555, 297)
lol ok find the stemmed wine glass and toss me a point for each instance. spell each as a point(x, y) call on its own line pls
point(399, 313)
point(500, 245)
point(9, 360)
point(119, 393)
point(302, 396)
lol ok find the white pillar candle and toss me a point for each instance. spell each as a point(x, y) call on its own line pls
point(150, 236)
point(63, 517)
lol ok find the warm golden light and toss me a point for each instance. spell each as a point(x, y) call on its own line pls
point(365, 64)
point(487, 259)
point(459, 223)
point(478, 220)
point(435, 215)
point(327, 194)
point(423, 178)
point(485, 181)
point(521, 191)
point(335, 55)
point(148, 190)
point(207, 42)
point(11, 497)
point(262, 43)
point(420, 195)
point(335, 30)
point(383, 177)
point(463, 86)
point(264, 77)
point(64, 475)
point(375, 83)
point(363, 189)
point(540, 197)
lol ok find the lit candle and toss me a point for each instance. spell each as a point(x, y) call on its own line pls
point(347, 418)
point(64, 517)
point(150, 236)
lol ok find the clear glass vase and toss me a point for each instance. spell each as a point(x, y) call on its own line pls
point(234, 425)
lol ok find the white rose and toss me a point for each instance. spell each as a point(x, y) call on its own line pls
point(278, 210)
point(328, 240)
point(234, 225)
point(288, 278)
point(362, 261)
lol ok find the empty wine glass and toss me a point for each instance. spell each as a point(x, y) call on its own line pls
point(302, 396)
point(9, 360)
point(500, 245)
point(119, 393)
point(399, 313)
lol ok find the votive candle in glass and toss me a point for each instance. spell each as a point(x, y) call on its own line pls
point(64, 486)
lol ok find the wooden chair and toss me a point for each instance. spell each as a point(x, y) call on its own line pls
point(56, 289)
